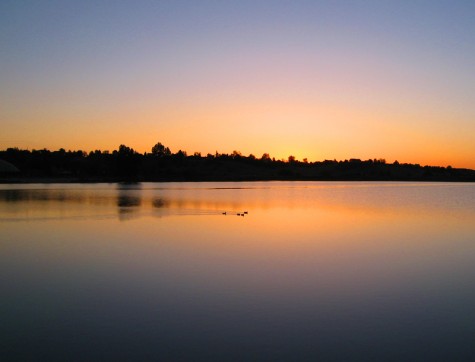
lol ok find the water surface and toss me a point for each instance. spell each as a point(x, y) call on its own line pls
point(314, 270)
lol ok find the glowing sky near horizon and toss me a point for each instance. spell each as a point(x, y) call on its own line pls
point(315, 79)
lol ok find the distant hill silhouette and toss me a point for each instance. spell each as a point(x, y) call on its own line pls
point(125, 164)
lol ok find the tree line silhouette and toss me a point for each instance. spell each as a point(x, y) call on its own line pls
point(126, 164)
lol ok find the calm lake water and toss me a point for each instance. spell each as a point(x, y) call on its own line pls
point(314, 271)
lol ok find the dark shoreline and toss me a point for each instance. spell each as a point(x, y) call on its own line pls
point(35, 180)
point(126, 165)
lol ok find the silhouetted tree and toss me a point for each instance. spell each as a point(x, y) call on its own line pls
point(180, 155)
point(160, 150)
point(265, 157)
point(127, 163)
point(236, 154)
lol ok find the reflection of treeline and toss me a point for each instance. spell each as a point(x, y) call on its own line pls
point(125, 164)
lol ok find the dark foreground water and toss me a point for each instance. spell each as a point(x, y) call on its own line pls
point(313, 271)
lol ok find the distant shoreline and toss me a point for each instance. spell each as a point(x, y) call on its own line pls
point(26, 181)
point(161, 165)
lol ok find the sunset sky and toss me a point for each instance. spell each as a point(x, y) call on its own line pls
point(316, 79)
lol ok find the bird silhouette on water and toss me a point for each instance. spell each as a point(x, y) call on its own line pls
point(238, 213)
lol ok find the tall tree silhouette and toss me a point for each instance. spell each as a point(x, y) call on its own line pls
point(160, 150)
point(127, 163)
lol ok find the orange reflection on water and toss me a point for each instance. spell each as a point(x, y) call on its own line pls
point(336, 259)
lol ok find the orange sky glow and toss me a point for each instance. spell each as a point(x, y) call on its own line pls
point(317, 81)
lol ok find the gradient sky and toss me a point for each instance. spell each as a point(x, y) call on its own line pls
point(315, 79)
